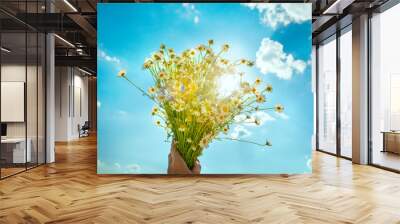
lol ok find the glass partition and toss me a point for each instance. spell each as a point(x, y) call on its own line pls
point(41, 97)
point(327, 96)
point(31, 100)
point(385, 89)
point(14, 153)
point(22, 89)
point(346, 93)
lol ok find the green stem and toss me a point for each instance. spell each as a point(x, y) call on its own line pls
point(241, 140)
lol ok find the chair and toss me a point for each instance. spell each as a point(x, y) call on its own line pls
point(84, 130)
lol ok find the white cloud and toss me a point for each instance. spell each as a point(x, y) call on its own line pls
point(240, 132)
point(228, 84)
point(103, 55)
point(282, 115)
point(270, 58)
point(276, 14)
point(117, 168)
point(189, 7)
point(190, 12)
point(310, 59)
point(309, 163)
point(133, 168)
point(100, 163)
point(122, 112)
point(196, 19)
point(261, 116)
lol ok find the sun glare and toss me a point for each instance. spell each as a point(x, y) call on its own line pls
point(227, 84)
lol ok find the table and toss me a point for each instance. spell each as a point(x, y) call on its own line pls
point(19, 155)
point(391, 141)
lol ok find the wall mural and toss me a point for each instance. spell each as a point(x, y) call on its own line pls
point(219, 88)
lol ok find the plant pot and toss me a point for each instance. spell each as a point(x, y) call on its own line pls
point(177, 165)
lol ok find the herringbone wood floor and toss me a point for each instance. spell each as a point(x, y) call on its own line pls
point(69, 191)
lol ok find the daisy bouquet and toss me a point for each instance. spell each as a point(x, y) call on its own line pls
point(188, 103)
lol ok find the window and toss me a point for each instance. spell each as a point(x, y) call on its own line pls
point(327, 96)
point(385, 89)
point(346, 92)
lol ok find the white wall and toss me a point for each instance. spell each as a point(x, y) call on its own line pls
point(13, 101)
point(62, 81)
point(71, 94)
point(33, 127)
point(81, 94)
point(12, 73)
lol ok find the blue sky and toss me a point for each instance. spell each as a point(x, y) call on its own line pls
point(276, 36)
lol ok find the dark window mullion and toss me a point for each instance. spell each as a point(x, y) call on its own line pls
point(26, 87)
point(317, 96)
point(0, 95)
point(37, 90)
point(338, 80)
point(369, 95)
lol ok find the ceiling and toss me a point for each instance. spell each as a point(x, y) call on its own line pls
point(75, 23)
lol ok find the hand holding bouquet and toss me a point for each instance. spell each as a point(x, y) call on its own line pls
point(188, 103)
